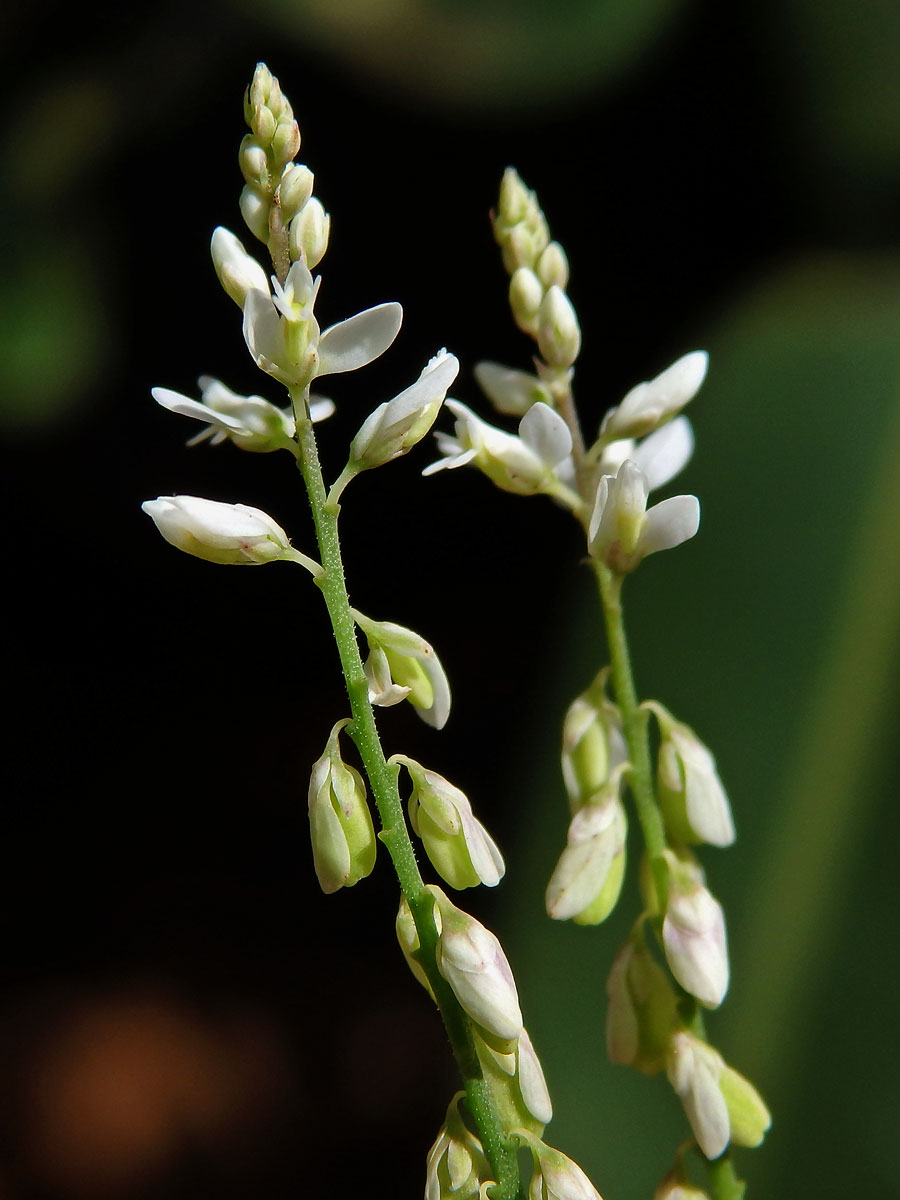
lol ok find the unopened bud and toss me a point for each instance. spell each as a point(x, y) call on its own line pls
point(457, 844)
point(253, 162)
point(643, 1009)
point(588, 878)
point(456, 1165)
point(694, 933)
point(720, 1103)
point(285, 141)
point(472, 961)
point(295, 189)
point(558, 332)
point(408, 937)
point(511, 392)
point(340, 824)
point(556, 1176)
point(691, 795)
point(514, 198)
point(525, 297)
point(309, 232)
point(592, 743)
point(220, 533)
point(553, 266)
point(255, 211)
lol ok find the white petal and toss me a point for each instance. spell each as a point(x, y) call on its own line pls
point(670, 523)
point(186, 407)
point(359, 340)
point(666, 452)
point(546, 433)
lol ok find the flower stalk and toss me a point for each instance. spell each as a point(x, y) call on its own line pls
point(498, 1147)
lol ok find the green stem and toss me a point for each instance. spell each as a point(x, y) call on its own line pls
point(634, 727)
point(499, 1148)
point(724, 1180)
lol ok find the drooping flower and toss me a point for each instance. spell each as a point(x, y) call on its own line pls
point(459, 847)
point(340, 824)
point(403, 666)
point(218, 532)
point(720, 1103)
point(693, 801)
point(694, 932)
point(587, 879)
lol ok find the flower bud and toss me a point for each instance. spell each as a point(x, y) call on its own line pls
point(555, 1177)
point(592, 743)
point(340, 824)
point(511, 392)
point(309, 232)
point(553, 267)
point(558, 331)
point(720, 1104)
point(588, 877)
point(408, 937)
point(457, 844)
point(399, 424)
point(472, 961)
point(650, 404)
point(253, 162)
point(457, 1165)
point(691, 795)
point(642, 1013)
point(255, 211)
point(238, 271)
point(412, 664)
point(694, 933)
point(220, 533)
point(285, 140)
point(517, 1084)
point(295, 189)
point(676, 1187)
point(515, 198)
point(525, 297)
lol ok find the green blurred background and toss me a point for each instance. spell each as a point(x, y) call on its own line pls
point(182, 1011)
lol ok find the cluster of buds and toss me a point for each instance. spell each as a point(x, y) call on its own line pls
point(278, 193)
point(539, 274)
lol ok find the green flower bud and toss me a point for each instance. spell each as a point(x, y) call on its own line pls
point(556, 1176)
point(691, 795)
point(408, 937)
point(517, 1084)
point(295, 189)
point(459, 847)
point(340, 824)
point(553, 266)
point(515, 199)
point(285, 140)
point(747, 1112)
point(642, 1013)
point(525, 297)
point(457, 1165)
point(592, 743)
point(587, 879)
point(558, 331)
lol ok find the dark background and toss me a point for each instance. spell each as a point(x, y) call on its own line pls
point(183, 1012)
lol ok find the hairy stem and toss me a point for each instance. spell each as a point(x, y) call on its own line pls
point(500, 1150)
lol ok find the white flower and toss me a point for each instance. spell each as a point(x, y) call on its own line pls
point(650, 404)
point(694, 933)
point(460, 848)
point(586, 881)
point(525, 464)
point(238, 272)
point(220, 533)
point(403, 666)
point(251, 422)
point(720, 1103)
point(692, 798)
point(623, 530)
point(397, 425)
point(511, 392)
point(472, 961)
point(283, 336)
point(555, 1176)
point(660, 457)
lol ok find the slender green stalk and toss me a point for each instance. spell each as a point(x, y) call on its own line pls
point(500, 1150)
point(634, 727)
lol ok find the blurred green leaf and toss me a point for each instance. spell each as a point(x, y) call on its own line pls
point(506, 53)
